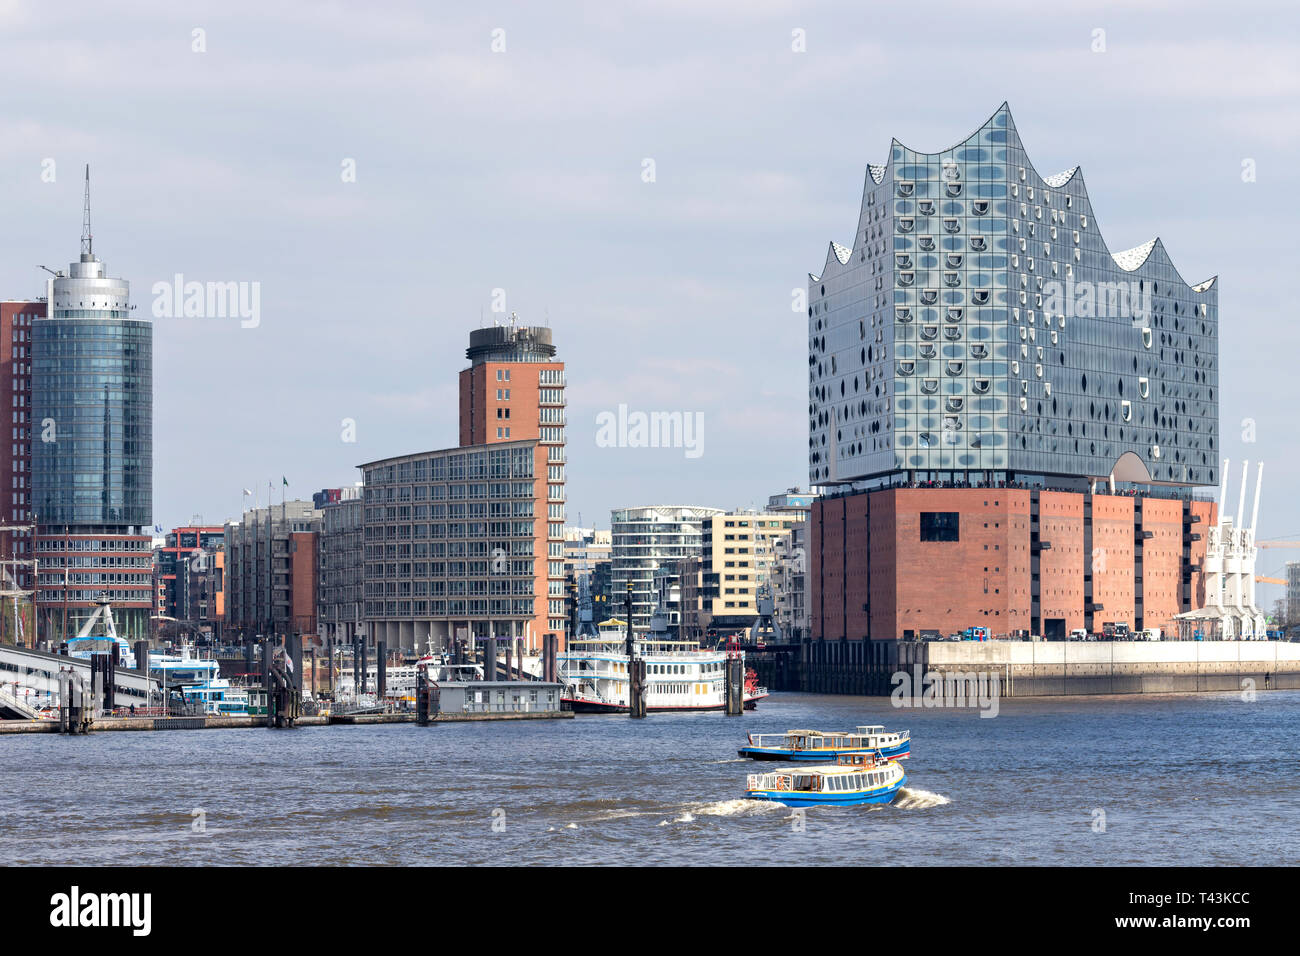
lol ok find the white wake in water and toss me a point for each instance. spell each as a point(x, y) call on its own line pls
point(733, 760)
point(737, 808)
point(684, 818)
point(909, 799)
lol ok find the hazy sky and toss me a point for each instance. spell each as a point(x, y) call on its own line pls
point(522, 170)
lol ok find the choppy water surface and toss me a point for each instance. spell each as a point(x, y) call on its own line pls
point(1173, 779)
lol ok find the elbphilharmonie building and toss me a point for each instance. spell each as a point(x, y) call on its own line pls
point(979, 328)
point(1007, 419)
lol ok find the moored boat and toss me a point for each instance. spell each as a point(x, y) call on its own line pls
point(827, 745)
point(854, 779)
point(680, 675)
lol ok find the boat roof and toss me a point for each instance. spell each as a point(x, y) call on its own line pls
point(828, 768)
point(864, 728)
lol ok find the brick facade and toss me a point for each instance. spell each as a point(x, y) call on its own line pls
point(1023, 562)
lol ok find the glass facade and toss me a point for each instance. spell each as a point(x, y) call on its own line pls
point(457, 535)
point(92, 404)
point(92, 398)
point(642, 541)
point(981, 324)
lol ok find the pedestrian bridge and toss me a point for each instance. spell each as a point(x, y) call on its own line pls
point(30, 679)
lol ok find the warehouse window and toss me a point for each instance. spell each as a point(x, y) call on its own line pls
point(939, 526)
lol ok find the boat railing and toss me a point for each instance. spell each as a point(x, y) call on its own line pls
point(751, 781)
point(904, 735)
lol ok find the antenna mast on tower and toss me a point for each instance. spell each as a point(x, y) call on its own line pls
point(87, 240)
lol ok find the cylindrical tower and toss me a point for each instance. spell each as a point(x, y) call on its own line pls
point(92, 404)
point(92, 451)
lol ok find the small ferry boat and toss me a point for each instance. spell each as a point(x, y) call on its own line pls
point(199, 681)
point(855, 778)
point(824, 745)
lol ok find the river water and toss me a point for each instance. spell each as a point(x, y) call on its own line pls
point(1187, 779)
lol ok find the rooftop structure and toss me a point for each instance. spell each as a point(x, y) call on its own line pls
point(979, 329)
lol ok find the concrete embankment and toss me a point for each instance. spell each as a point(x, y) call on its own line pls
point(1040, 669)
point(210, 723)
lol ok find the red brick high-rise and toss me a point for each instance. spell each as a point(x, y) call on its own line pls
point(16, 319)
point(453, 547)
point(512, 389)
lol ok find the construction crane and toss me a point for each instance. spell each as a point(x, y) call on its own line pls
point(1276, 544)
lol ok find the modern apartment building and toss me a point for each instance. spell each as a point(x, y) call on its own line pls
point(271, 580)
point(1008, 421)
point(468, 542)
point(341, 615)
point(644, 540)
point(181, 545)
point(203, 579)
point(789, 583)
point(587, 557)
point(737, 553)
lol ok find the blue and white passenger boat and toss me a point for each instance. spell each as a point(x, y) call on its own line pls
point(199, 681)
point(827, 745)
point(855, 778)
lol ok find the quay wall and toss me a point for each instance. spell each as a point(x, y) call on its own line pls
point(210, 723)
point(1036, 668)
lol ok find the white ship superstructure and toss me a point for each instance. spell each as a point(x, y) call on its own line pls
point(679, 675)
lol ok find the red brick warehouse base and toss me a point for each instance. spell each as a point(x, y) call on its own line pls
point(891, 564)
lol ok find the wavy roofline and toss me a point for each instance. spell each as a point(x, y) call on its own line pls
point(1005, 105)
point(877, 173)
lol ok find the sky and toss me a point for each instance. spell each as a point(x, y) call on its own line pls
point(650, 179)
